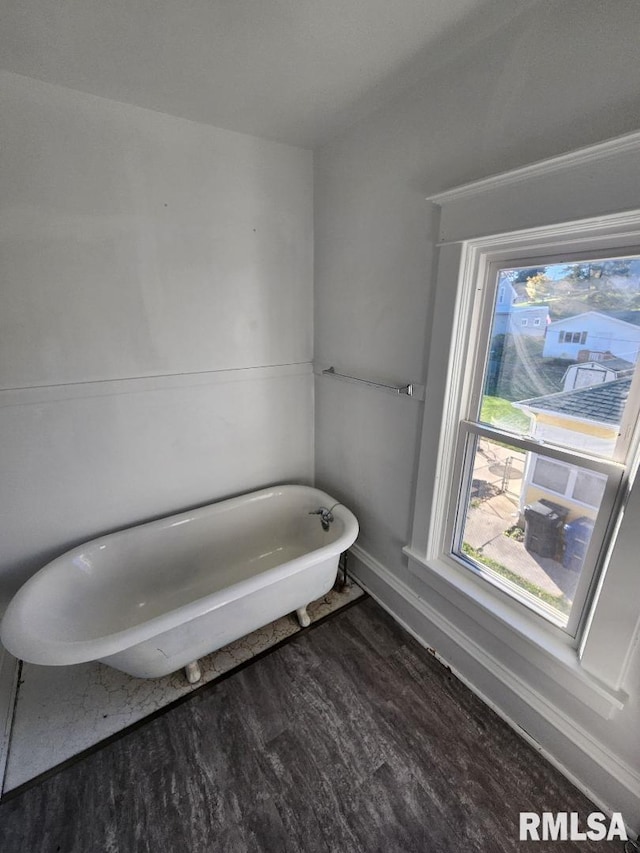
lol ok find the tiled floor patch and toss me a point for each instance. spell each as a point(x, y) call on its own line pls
point(62, 711)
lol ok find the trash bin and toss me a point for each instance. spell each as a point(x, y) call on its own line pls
point(577, 535)
point(543, 527)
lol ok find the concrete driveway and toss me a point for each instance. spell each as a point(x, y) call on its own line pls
point(494, 508)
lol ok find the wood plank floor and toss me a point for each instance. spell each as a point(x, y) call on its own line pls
point(349, 738)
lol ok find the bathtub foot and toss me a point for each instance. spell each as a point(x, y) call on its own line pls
point(193, 673)
point(303, 617)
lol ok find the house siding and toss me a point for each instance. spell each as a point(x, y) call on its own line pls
point(603, 334)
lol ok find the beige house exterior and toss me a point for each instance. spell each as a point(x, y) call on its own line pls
point(585, 418)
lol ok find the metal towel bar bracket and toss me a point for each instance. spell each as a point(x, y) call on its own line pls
point(411, 390)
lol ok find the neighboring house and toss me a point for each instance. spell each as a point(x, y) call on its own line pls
point(512, 318)
point(586, 373)
point(588, 418)
point(505, 298)
point(531, 320)
point(592, 336)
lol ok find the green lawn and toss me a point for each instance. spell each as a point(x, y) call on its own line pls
point(558, 602)
point(501, 413)
point(517, 371)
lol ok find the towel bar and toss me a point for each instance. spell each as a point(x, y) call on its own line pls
point(410, 390)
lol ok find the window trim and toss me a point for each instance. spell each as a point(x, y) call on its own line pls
point(464, 261)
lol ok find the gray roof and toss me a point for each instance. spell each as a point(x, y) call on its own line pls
point(631, 318)
point(603, 403)
point(618, 365)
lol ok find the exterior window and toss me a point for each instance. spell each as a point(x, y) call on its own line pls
point(588, 488)
point(540, 467)
point(536, 322)
point(568, 481)
point(524, 322)
point(550, 475)
point(572, 337)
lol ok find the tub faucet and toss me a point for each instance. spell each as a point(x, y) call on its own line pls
point(326, 516)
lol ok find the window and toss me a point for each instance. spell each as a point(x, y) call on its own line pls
point(572, 337)
point(550, 475)
point(588, 488)
point(567, 481)
point(536, 321)
point(524, 322)
point(554, 212)
point(539, 469)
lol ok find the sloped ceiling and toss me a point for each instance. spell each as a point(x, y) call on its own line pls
point(292, 70)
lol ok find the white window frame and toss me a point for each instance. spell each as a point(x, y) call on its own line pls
point(473, 337)
point(581, 665)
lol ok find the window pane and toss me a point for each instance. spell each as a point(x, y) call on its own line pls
point(589, 488)
point(551, 475)
point(516, 528)
point(564, 344)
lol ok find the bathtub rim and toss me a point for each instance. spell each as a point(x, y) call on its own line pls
point(40, 650)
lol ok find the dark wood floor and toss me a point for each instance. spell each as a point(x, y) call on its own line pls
point(349, 738)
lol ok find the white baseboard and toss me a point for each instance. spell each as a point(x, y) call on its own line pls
point(603, 776)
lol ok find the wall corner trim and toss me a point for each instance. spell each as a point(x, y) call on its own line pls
point(611, 783)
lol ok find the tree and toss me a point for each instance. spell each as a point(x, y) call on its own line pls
point(537, 287)
point(587, 270)
point(522, 275)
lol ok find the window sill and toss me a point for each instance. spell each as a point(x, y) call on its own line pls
point(521, 636)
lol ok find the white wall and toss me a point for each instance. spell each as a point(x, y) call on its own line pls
point(156, 322)
point(556, 79)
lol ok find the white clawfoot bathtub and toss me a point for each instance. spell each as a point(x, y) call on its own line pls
point(156, 597)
